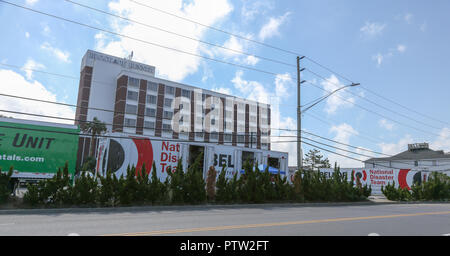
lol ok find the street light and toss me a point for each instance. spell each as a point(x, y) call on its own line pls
point(300, 111)
point(317, 101)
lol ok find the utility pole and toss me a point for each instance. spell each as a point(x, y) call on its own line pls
point(299, 117)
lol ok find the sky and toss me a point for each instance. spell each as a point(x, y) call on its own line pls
point(397, 50)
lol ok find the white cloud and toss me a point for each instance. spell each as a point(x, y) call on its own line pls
point(408, 18)
point(401, 48)
point(27, 35)
point(254, 90)
point(251, 90)
point(222, 90)
point(283, 85)
point(234, 44)
point(169, 64)
point(251, 60)
point(372, 29)
point(395, 148)
point(270, 29)
point(386, 124)
point(60, 54)
point(378, 58)
point(15, 84)
point(31, 65)
point(46, 30)
point(336, 100)
point(31, 2)
point(249, 11)
point(233, 48)
point(344, 132)
point(443, 141)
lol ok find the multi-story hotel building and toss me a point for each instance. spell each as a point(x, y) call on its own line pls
point(128, 98)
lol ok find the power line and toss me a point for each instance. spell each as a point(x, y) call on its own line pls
point(398, 104)
point(140, 40)
point(180, 35)
point(374, 103)
point(345, 144)
point(180, 140)
point(366, 137)
point(378, 114)
point(216, 29)
point(133, 126)
point(117, 112)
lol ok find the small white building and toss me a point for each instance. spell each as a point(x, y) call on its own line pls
point(418, 157)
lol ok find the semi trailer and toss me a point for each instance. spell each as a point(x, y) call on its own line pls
point(116, 152)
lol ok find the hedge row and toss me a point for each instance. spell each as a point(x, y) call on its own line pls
point(137, 188)
point(436, 188)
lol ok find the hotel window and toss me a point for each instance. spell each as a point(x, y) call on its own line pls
point(416, 163)
point(151, 112)
point(131, 95)
point(167, 115)
point(213, 121)
point(149, 125)
point(228, 137)
point(131, 109)
point(186, 93)
point(214, 136)
point(168, 103)
point(130, 123)
point(170, 90)
point(134, 82)
point(166, 127)
point(151, 99)
point(151, 86)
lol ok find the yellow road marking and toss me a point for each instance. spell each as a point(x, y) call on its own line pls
point(175, 231)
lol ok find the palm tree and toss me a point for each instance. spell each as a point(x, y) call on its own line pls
point(95, 127)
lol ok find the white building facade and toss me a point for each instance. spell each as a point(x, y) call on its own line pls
point(128, 97)
point(418, 157)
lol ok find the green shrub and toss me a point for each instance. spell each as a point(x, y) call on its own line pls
point(157, 193)
point(222, 192)
point(195, 191)
point(436, 188)
point(84, 192)
point(108, 191)
point(176, 184)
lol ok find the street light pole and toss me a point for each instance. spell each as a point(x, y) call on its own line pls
point(299, 111)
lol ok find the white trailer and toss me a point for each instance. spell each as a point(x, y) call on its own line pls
point(117, 151)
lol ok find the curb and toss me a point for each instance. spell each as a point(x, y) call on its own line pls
point(179, 207)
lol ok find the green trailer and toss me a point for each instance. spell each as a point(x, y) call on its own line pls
point(37, 150)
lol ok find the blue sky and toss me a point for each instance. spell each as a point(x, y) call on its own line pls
point(398, 50)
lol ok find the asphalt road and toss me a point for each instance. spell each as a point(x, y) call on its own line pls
point(248, 220)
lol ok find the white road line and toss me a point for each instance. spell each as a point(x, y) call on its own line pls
point(373, 234)
point(73, 234)
point(446, 234)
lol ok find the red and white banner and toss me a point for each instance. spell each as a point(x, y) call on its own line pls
point(376, 178)
point(119, 153)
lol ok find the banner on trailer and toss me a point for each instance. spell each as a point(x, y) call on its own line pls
point(37, 151)
point(224, 156)
point(122, 153)
point(377, 178)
